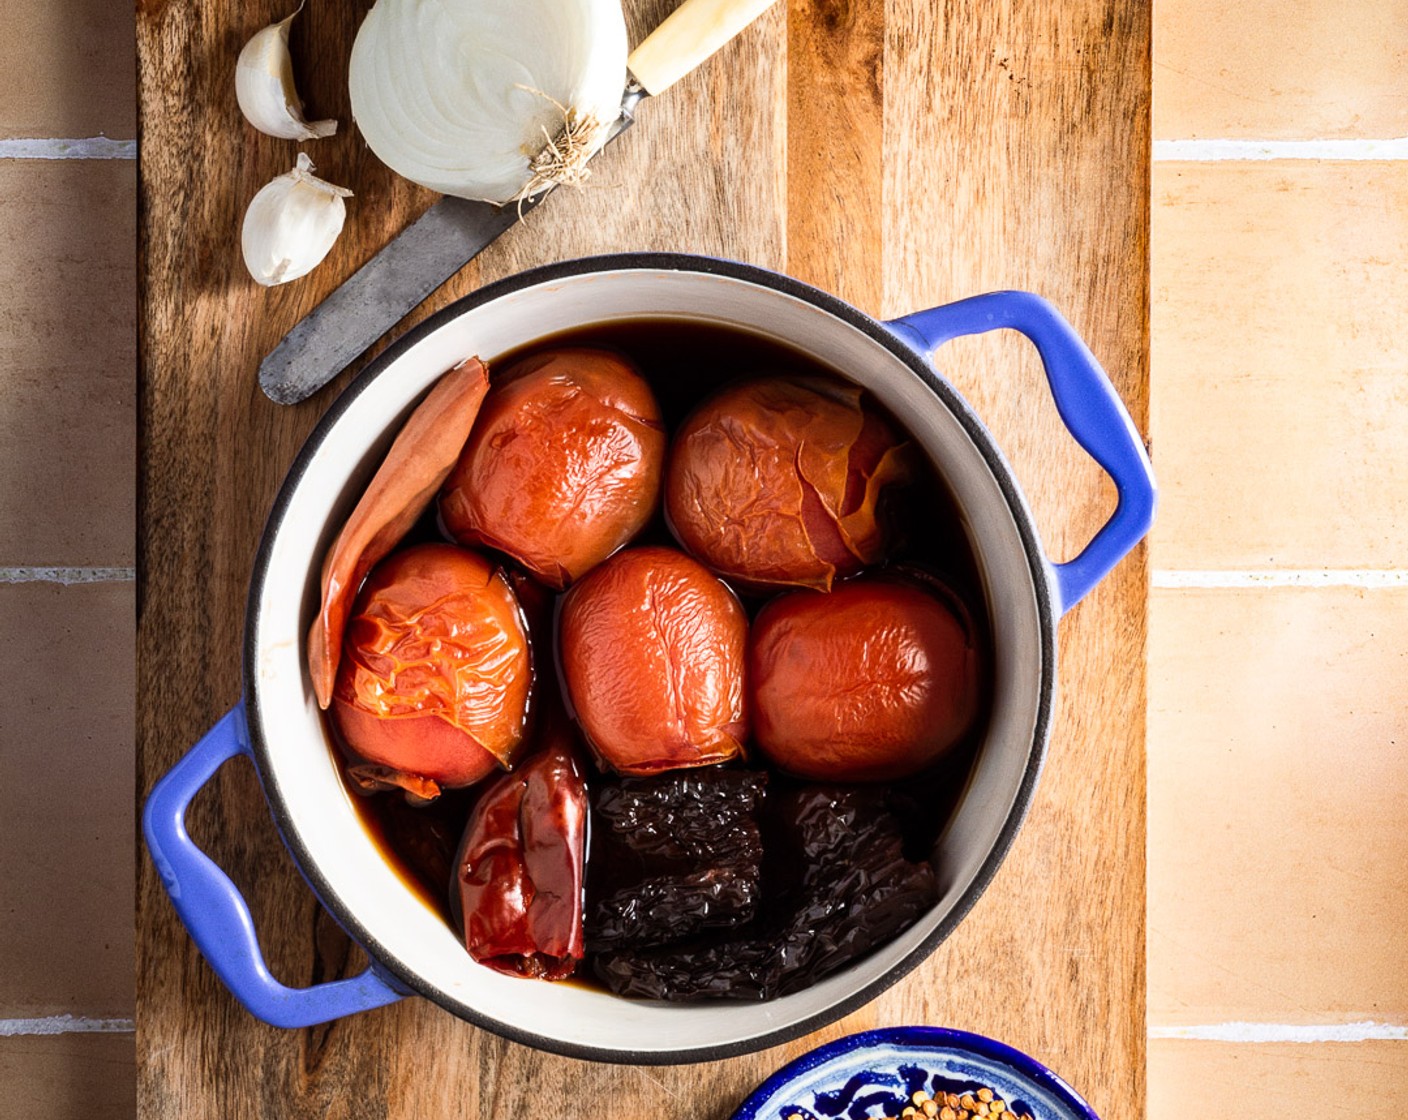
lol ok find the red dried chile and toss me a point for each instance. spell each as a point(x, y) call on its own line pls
point(435, 675)
point(652, 650)
point(521, 866)
point(872, 682)
point(776, 483)
point(563, 465)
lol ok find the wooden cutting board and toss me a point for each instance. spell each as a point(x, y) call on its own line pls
point(900, 154)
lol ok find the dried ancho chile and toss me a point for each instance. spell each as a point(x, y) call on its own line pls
point(857, 891)
point(673, 855)
point(520, 868)
point(838, 885)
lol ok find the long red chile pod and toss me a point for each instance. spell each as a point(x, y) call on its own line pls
point(521, 867)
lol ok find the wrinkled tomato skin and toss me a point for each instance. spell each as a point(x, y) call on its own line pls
point(563, 465)
point(652, 649)
point(873, 682)
point(436, 670)
point(776, 483)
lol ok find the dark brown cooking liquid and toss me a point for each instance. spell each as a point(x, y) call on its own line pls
point(685, 361)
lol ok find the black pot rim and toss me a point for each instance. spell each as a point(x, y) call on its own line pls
point(920, 366)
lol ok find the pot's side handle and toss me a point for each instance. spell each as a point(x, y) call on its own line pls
point(1088, 404)
point(215, 913)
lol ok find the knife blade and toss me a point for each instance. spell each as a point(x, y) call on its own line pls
point(394, 282)
point(453, 231)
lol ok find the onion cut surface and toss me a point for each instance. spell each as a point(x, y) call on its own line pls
point(461, 95)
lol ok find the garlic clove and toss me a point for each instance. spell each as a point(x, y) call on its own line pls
point(291, 224)
point(264, 87)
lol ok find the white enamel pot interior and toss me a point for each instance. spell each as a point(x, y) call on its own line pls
point(296, 759)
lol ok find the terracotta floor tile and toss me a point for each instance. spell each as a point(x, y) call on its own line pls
point(69, 1077)
point(1366, 1080)
point(67, 362)
point(1278, 825)
point(66, 800)
point(1266, 70)
point(68, 69)
point(1280, 365)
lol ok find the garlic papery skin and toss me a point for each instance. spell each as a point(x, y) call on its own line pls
point(462, 96)
point(265, 90)
point(291, 224)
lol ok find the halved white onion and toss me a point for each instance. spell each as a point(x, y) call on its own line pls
point(461, 95)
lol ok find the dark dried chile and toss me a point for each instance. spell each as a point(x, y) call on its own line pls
point(838, 885)
point(682, 815)
point(858, 891)
point(521, 865)
point(662, 909)
point(673, 855)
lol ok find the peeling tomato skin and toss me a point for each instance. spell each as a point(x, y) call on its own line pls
point(652, 648)
point(873, 682)
point(402, 489)
point(563, 465)
point(775, 483)
point(436, 669)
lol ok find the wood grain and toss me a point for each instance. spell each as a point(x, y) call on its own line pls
point(1016, 157)
point(835, 147)
point(957, 168)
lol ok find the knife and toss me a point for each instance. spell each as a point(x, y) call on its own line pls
point(455, 230)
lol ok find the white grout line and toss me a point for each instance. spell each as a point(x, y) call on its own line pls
point(1290, 577)
point(1367, 1031)
point(1201, 150)
point(92, 147)
point(67, 576)
point(64, 1024)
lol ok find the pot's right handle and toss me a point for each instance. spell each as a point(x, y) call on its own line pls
point(1088, 404)
point(216, 914)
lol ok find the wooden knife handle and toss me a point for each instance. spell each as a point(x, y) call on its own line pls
point(689, 35)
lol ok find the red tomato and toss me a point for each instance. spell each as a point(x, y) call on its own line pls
point(872, 682)
point(652, 649)
point(563, 465)
point(776, 483)
point(435, 673)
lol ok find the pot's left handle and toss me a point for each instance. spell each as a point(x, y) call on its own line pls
point(1088, 404)
point(215, 913)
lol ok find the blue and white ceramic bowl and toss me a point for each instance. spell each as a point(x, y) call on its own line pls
point(873, 1074)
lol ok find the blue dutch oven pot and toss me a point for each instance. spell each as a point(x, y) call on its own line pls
point(278, 726)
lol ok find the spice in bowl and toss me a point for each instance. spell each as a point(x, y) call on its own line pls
point(972, 1105)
